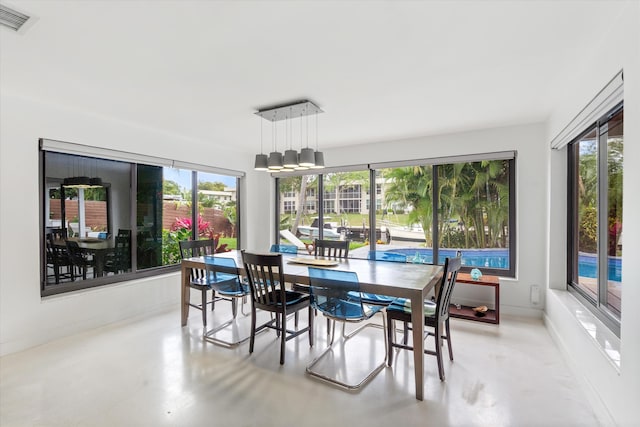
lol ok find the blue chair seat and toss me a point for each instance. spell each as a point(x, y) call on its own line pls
point(404, 305)
point(348, 310)
point(368, 298)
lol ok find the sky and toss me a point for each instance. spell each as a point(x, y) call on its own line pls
point(183, 177)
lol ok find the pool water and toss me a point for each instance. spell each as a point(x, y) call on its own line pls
point(499, 258)
point(487, 258)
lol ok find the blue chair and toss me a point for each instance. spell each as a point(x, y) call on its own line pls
point(436, 314)
point(222, 276)
point(284, 249)
point(376, 299)
point(331, 292)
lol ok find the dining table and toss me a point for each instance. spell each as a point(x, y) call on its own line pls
point(411, 281)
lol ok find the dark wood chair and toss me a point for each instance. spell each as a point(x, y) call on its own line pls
point(332, 248)
point(58, 259)
point(81, 261)
point(198, 278)
point(119, 259)
point(268, 293)
point(436, 315)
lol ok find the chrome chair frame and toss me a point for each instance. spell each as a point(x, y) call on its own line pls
point(222, 276)
point(329, 290)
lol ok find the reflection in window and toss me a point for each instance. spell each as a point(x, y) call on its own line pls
point(88, 235)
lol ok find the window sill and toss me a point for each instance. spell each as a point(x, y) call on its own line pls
point(601, 336)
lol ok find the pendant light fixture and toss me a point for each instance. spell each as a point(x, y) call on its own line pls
point(291, 160)
point(318, 155)
point(261, 163)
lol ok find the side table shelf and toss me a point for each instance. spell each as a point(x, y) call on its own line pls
point(465, 312)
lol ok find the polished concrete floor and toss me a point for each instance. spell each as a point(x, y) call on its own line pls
point(151, 372)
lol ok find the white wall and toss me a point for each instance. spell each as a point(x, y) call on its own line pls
point(25, 318)
point(618, 390)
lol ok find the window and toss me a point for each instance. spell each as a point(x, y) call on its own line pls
point(130, 222)
point(434, 210)
point(595, 217)
point(289, 206)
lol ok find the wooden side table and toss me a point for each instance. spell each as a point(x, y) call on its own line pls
point(466, 312)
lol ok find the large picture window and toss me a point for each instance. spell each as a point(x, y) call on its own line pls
point(424, 211)
point(595, 217)
point(105, 220)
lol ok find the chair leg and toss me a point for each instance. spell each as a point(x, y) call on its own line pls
point(253, 329)
point(283, 338)
point(446, 326)
point(438, 339)
point(311, 316)
point(213, 299)
point(234, 307)
point(390, 328)
point(203, 294)
point(295, 319)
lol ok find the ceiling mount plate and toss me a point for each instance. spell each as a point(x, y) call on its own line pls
point(289, 111)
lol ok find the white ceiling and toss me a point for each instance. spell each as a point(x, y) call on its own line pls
point(381, 70)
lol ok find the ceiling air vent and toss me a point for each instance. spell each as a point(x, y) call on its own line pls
point(12, 18)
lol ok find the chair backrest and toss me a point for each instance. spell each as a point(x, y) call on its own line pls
point(449, 275)
point(52, 257)
point(75, 253)
point(386, 256)
point(222, 274)
point(122, 251)
point(332, 248)
point(332, 293)
point(284, 249)
point(195, 248)
point(59, 233)
point(266, 278)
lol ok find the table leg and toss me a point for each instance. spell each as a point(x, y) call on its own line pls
point(417, 323)
point(184, 294)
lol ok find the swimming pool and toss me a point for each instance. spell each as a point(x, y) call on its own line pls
point(499, 258)
point(487, 258)
point(587, 267)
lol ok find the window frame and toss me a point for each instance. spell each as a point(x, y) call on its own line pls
point(71, 149)
point(371, 191)
point(597, 305)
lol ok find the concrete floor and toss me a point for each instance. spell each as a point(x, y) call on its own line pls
point(151, 372)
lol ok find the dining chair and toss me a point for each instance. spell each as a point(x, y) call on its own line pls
point(331, 248)
point(331, 294)
point(436, 314)
point(197, 278)
point(118, 260)
point(80, 260)
point(57, 258)
point(222, 276)
point(284, 249)
point(268, 293)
